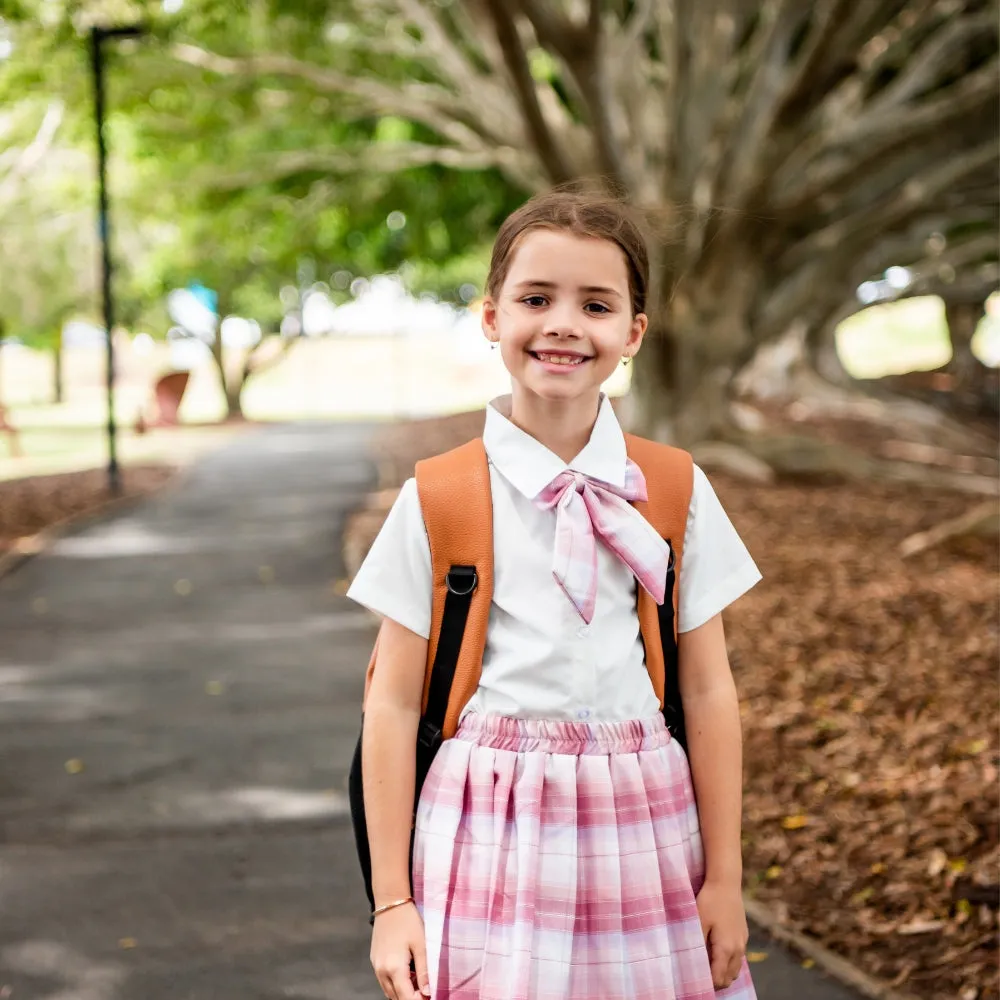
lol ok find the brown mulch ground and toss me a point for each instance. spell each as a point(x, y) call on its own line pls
point(869, 697)
point(29, 505)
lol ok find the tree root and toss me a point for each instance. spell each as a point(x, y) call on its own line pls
point(984, 518)
point(814, 396)
point(760, 457)
point(731, 458)
point(783, 374)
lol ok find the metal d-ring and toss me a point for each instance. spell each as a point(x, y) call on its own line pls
point(464, 588)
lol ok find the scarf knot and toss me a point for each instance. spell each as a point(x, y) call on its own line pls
point(589, 509)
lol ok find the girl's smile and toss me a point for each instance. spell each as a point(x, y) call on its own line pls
point(560, 362)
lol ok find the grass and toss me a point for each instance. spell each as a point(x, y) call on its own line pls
point(51, 450)
point(353, 378)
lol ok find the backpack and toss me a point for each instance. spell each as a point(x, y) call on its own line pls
point(455, 498)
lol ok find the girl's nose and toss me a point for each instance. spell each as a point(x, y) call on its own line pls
point(562, 321)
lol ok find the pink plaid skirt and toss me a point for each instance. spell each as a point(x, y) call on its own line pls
point(560, 861)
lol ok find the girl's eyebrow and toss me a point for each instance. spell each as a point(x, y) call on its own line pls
point(591, 289)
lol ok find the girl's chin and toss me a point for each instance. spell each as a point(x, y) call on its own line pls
point(558, 390)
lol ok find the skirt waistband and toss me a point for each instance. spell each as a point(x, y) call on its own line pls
point(501, 732)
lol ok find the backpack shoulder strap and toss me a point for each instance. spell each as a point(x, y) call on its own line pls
point(669, 474)
point(457, 506)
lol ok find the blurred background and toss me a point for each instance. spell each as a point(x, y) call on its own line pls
point(298, 207)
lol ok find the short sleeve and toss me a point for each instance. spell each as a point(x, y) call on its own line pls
point(716, 568)
point(395, 578)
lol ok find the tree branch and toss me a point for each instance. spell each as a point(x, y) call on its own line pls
point(447, 57)
point(524, 85)
point(914, 194)
point(969, 288)
point(816, 290)
point(429, 104)
point(592, 79)
point(253, 365)
point(635, 79)
point(831, 160)
point(853, 24)
point(936, 56)
point(909, 248)
point(746, 144)
point(580, 48)
point(556, 32)
point(376, 158)
point(27, 159)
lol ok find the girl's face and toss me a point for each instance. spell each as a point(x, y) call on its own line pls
point(563, 318)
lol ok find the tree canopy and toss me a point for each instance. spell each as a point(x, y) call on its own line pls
point(193, 199)
point(784, 152)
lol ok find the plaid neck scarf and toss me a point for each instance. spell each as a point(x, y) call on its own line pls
point(586, 507)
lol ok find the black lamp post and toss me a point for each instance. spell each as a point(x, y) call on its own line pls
point(97, 38)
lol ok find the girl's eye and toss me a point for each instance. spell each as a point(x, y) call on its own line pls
point(597, 307)
point(535, 301)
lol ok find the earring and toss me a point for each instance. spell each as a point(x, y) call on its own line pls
point(627, 360)
point(493, 345)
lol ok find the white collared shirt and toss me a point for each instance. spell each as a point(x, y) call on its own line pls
point(542, 661)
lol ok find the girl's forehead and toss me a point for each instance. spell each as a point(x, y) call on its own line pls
point(559, 257)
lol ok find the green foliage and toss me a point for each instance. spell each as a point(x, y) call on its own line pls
point(195, 193)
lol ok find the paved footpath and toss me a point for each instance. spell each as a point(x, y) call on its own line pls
point(179, 692)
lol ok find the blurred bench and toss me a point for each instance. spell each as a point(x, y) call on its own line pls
point(168, 394)
point(13, 434)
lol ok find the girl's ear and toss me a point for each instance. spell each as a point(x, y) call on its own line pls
point(640, 323)
point(489, 320)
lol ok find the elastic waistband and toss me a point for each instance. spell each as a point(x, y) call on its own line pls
point(522, 735)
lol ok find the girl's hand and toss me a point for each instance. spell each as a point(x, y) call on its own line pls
point(724, 924)
point(397, 937)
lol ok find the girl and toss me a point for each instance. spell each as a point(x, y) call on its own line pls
point(558, 852)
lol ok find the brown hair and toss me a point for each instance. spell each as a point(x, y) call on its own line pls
point(582, 213)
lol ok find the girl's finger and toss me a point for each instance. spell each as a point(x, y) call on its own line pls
point(735, 967)
point(385, 982)
point(402, 987)
point(420, 965)
point(720, 968)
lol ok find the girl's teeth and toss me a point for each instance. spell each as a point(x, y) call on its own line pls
point(558, 359)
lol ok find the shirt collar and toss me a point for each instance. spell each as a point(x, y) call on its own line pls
point(529, 466)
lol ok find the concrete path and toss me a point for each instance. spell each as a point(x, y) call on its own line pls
point(179, 693)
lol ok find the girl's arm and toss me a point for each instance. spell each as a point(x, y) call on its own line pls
point(392, 713)
point(712, 720)
point(715, 746)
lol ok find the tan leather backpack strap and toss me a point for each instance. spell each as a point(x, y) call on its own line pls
point(457, 506)
point(669, 474)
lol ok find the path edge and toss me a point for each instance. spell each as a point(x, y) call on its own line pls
point(834, 965)
point(29, 547)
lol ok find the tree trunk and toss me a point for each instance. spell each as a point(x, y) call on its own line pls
point(232, 388)
point(970, 374)
point(699, 338)
point(234, 400)
point(680, 400)
point(57, 370)
point(821, 350)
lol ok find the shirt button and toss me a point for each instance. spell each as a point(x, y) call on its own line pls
point(584, 713)
point(583, 631)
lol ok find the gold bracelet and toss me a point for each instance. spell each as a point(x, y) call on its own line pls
point(391, 906)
